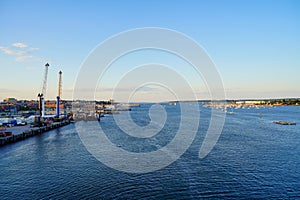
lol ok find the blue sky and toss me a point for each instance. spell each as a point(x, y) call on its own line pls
point(254, 44)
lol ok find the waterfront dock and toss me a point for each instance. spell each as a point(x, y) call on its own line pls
point(14, 134)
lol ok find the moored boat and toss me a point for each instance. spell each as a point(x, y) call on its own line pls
point(284, 123)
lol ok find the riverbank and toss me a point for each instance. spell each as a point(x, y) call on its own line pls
point(18, 133)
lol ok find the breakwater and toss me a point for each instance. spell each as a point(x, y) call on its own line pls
point(15, 134)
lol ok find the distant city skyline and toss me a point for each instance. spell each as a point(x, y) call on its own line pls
point(254, 44)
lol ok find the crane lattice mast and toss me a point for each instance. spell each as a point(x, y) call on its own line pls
point(43, 93)
point(60, 84)
point(59, 94)
point(44, 89)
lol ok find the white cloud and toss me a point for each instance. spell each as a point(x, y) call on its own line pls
point(23, 52)
point(12, 51)
point(24, 58)
point(20, 45)
point(31, 58)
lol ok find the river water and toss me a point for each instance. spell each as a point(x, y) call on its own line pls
point(253, 158)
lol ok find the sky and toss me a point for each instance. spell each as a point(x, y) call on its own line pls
point(255, 45)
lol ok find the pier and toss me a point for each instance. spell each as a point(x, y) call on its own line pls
point(14, 134)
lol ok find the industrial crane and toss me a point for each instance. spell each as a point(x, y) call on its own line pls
point(42, 95)
point(59, 93)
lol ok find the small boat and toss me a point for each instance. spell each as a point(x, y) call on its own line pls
point(284, 123)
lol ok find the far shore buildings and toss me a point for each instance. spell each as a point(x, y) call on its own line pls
point(13, 106)
point(10, 100)
point(252, 102)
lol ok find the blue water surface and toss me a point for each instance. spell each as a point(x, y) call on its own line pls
point(254, 158)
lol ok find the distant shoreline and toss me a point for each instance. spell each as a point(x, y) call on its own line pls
point(273, 101)
point(265, 102)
